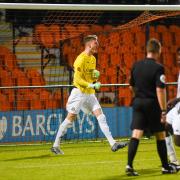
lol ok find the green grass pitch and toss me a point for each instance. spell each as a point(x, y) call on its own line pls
point(81, 161)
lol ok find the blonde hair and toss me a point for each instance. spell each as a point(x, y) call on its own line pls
point(89, 38)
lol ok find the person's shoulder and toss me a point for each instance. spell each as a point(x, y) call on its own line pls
point(79, 60)
point(93, 56)
point(80, 57)
point(159, 65)
point(138, 62)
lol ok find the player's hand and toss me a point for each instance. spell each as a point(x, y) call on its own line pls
point(163, 117)
point(96, 85)
point(95, 74)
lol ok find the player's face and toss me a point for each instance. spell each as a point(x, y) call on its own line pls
point(94, 44)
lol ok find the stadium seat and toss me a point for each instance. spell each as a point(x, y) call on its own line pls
point(36, 104)
point(96, 28)
point(83, 28)
point(44, 95)
point(5, 106)
point(7, 58)
point(174, 28)
point(10, 93)
point(23, 81)
point(35, 77)
point(52, 104)
point(107, 27)
point(47, 36)
point(71, 30)
point(161, 28)
point(22, 104)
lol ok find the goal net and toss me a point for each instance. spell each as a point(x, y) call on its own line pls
point(37, 51)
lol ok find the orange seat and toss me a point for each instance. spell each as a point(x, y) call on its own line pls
point(174, 28)
point(52, 104)
point(45, 95)
point(96, 28)
point(48, 36)
point(161, 28)
point(23, 104)
point(83, 28)
point(7, 58)
point(23, 81)
point(36, 105)
point(10, 93)
point(35, 77)
point(7, 81)
point(71, 30)
point(107, 27)
point(5, 106)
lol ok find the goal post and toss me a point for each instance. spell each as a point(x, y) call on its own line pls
point(38, 45)
point(100, 7)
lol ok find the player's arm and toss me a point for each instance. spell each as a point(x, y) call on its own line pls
point(131, 82)
point(171, 103)
point(161, 91)
point(161, 95)
point(79, 77)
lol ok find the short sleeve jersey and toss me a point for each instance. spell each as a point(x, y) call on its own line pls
point(146, 75)
point(83, 68)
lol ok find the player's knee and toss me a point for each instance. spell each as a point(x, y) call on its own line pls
point(137, 134)
point(102, 118)
point(71, 117)
point(160, 135)
point(98, 112)
point(177, 140)
point(169, 130)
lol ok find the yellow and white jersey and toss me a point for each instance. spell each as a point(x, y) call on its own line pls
point(83, 68)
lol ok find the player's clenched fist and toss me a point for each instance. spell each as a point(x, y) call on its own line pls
point(95, 74)
point(96, 85)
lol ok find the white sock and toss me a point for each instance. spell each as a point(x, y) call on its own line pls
point(62, 130)
point(170, 149)
point(105, 129)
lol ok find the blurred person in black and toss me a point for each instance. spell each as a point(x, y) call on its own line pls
point(147, 83)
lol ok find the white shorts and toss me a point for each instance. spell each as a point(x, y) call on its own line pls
point(79, 101)
point(173, 118)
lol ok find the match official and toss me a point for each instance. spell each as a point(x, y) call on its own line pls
point(147, 83)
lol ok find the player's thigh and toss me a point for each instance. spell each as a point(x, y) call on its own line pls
point(75, 101)
point(93, 103)
point(138, 120)
point(155, 124)
point(160, 135)
point(138, 116)
point(136, 133)
point(176, 125)
point(154, 118)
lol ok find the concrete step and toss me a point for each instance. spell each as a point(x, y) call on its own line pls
point(32, 55)
point(5, 25)
point(56, 79)
point(29, 48)
point(5, 32)
point(56, 83)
